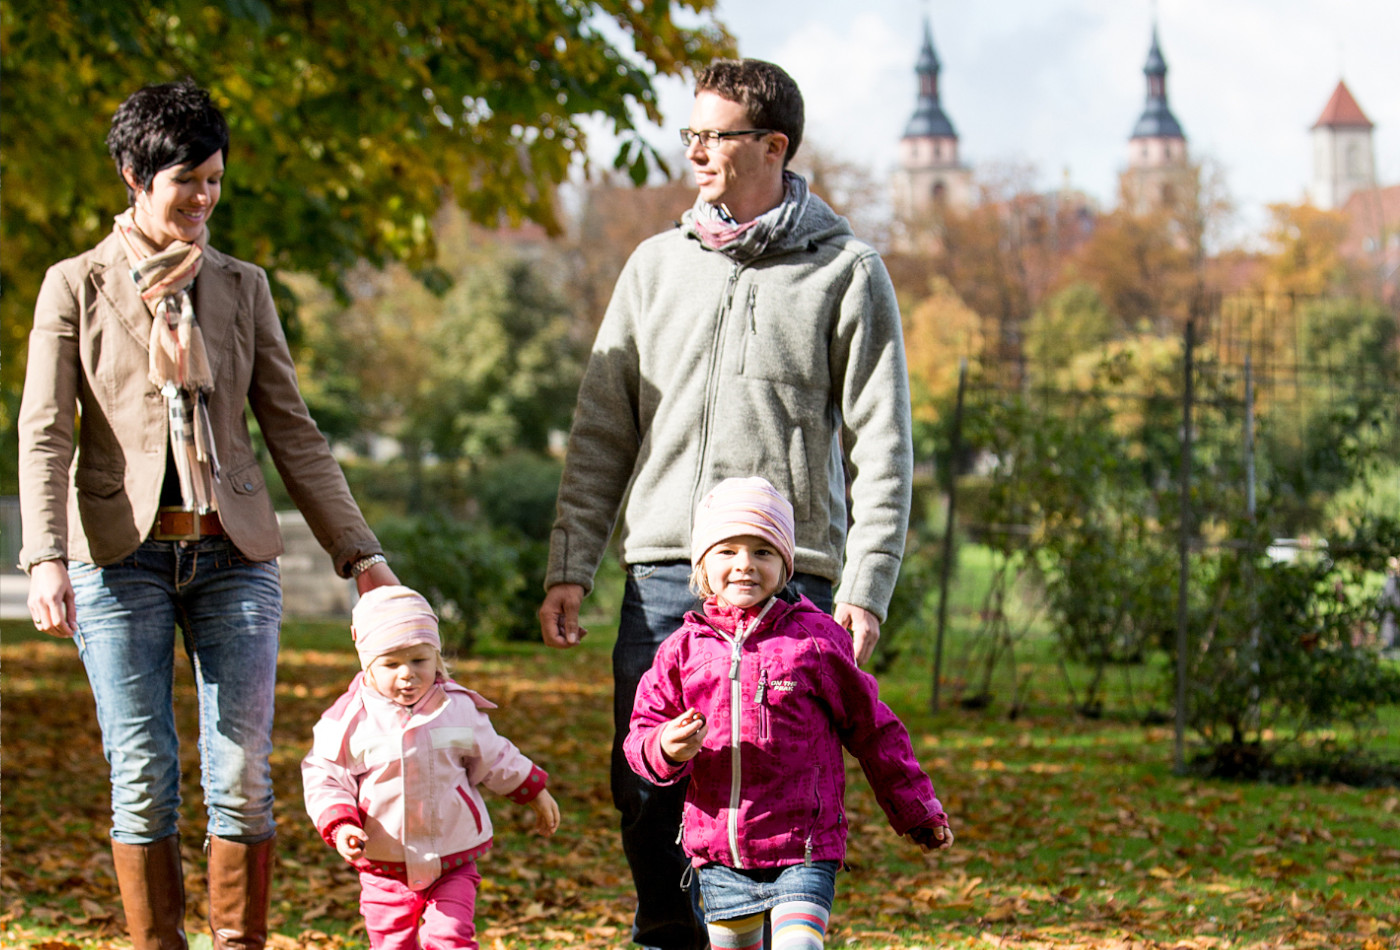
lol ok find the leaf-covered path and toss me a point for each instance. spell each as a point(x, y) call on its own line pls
point(1070, 834)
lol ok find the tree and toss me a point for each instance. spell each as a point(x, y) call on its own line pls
point(1144, 274)
point(939, 331)
point(1150, 267)
point(1306, 258)
point(351, 121)
point(487, 368)
point(851, 189)
point(1348, 373)
point(612, 219)
point(1003, 258)
point(1072, 322)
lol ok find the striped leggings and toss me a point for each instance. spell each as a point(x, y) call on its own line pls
point(797, 925)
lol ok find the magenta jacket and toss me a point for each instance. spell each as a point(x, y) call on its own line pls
point(768, 787)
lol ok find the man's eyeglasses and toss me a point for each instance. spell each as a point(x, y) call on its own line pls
point(709, 138)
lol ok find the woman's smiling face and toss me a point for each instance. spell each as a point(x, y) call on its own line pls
point(180, 200)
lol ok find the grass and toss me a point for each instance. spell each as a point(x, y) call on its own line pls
point(1072, 832)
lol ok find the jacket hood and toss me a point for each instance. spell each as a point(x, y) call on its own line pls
point(818, 223)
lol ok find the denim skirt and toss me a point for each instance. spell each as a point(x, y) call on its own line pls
point(730, 893)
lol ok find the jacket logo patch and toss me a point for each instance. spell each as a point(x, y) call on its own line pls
point(454, 737)
point(372, 750)
point(783, 686)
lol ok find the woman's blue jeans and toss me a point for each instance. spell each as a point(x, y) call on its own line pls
point(654, 603)
point(229, 610)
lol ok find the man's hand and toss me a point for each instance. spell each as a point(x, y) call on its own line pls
point(546, 813)
point(864, 627)
point(559, 616)
point(350, 842)
point(682, 737)
point(51, 602)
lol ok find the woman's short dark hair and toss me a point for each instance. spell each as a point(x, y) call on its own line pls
point(174, 123)
point(768, 95)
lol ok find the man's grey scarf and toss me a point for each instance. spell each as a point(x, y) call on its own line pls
point(745, 242)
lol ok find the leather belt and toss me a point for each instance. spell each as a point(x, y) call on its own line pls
point(177, 524)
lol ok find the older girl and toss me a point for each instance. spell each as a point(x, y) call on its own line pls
point(753, 699)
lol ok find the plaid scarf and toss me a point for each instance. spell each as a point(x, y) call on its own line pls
point(716, 227)
point(178, 364)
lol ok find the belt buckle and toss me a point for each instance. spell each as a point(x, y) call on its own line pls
point(191, 535)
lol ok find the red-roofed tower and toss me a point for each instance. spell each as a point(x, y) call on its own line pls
point(1343, 155)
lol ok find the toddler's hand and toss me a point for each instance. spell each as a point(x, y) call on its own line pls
point(350, 842)
point(546, 813)
point(682, 737)
point(932, 837)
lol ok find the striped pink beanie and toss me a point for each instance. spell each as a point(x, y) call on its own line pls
point(390, 618)
point(739, 506)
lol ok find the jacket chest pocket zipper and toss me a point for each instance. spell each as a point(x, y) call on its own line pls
point(760, 698)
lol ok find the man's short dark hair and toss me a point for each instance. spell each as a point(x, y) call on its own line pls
point(768, 95)
point(174, 123)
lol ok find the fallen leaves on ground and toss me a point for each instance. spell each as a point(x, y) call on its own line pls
point(1050, 853)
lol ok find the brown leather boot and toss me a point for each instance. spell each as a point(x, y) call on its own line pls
point(240, 878)
point(153, 893)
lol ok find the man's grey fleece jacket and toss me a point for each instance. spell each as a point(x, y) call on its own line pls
point(706, 368)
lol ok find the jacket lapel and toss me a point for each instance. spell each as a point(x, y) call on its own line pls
point(216, 303)
point(112, 278)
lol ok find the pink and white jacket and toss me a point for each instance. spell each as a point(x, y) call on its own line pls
point(782, 694)
point(409, 777)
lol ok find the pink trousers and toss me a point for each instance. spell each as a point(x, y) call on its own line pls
point(447, 909)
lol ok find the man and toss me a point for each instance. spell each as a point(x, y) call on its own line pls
point(757, 338)
point(1389, 605)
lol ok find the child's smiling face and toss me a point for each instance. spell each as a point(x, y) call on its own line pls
point(744, 571)
point(404, 675)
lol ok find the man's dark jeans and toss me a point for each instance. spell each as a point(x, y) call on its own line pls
point(654, 604)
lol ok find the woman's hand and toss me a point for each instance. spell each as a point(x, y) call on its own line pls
point(682, 737)
point(350, 842)
point(377, 576)
point(546, 813)
point(51, 602)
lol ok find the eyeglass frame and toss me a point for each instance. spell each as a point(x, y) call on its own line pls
point(705, 135)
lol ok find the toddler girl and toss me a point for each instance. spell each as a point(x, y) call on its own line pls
point(391, 779)
point(753, 698)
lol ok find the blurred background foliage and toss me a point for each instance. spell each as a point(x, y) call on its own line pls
point(353, 123)
point(398, 170)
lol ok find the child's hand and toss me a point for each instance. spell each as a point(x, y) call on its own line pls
point(350, 842)
point(932, 837)
point(546, 813)
point(682, 737)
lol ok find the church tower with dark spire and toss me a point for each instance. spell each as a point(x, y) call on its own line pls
point(931, 178)
point(1158, 166)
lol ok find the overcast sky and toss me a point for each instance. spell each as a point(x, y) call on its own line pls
point(1059, 84)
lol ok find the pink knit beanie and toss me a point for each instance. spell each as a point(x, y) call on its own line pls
point(390, 618)
point(739, 506)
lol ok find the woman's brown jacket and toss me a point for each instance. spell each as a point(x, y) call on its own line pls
point(88, 352)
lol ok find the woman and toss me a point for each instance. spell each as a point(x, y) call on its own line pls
point(162, 520)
